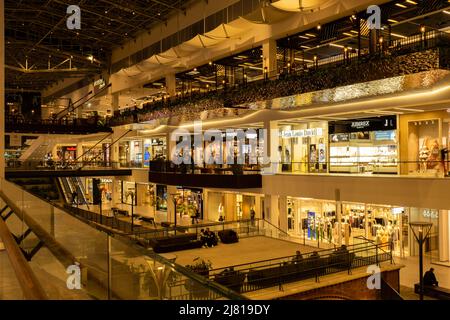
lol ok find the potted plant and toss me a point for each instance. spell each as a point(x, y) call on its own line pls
point(202, 268)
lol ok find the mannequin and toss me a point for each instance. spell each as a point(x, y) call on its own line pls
point(220, 211)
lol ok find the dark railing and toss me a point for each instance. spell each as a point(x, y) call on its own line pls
point(276, 272)
point(327, 73)
point(203, 168)
point(76, 125)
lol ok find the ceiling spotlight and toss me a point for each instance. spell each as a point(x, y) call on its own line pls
point(319, 27)
point(422, 28)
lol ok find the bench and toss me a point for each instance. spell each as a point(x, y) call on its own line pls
point(228, 236)
point(434, 292)
point(175, 243)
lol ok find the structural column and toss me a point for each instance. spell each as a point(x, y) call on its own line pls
point(271, 143)
point(444, 238)
point(2, 90)
point(171, 145)
point(171, 191)
point(270, 58)
point(115, 102)
point(171, 84)
point(283, 213)
point(272, 210)
point(338, 216)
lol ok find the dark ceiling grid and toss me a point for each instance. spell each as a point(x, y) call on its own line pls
point(32, 30)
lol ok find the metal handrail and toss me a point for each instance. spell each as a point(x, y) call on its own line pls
point(31, 287)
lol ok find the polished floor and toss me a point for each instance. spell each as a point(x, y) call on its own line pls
point(261, 248)
point(245, 251)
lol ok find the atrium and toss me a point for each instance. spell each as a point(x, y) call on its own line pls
point(225, 150)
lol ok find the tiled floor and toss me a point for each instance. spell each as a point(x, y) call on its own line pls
point(410, 274)
point(245, 251)
point(260, 248)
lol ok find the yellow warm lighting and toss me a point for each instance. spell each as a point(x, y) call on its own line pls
point(411, 1)
point(401, 5)
point(392, 20)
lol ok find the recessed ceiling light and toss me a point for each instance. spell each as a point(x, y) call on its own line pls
point(310, 34)
point(446, 12)
point(401, 5)
point(392, 20)
point(411, 1)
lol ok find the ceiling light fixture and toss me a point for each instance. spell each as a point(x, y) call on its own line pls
point(401, 5)
point(398, 35)
point(411, 1)
point(392, 20)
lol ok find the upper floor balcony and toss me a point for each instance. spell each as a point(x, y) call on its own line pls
point(206, 176)
point(19, 124)
point(422, 52)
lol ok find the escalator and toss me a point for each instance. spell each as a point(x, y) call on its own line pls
point(71, 184)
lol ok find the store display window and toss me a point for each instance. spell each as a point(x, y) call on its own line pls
point(364, 146)
point(303, 147)
point(154, 149)
point(424, 146)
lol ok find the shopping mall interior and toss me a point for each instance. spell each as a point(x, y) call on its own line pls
point(217, 150)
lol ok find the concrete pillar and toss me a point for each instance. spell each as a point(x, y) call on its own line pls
point(229, 207)
point(271, 144)
point(171, 84)
point(272, 209)
point(258, 209)
point(170, 146)
point(115, 102)
point(116, 191)
point(2, 90)
point(444, 238)
point(114, 150)
point(270, 58)
point(171, 190)
point(339, 216)
point(55, 153)
point(80, 151)
point(283, 213)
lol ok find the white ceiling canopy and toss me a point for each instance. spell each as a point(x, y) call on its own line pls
point(302, 5)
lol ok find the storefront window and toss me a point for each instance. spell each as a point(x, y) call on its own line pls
point(364, 146)
point(154, 148)
point(303, 147)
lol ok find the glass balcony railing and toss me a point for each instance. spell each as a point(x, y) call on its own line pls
point(74, 260)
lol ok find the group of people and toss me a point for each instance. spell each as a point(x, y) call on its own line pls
point(208, 238)
point(299, 257)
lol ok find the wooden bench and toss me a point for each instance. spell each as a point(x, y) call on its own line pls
point(434, 292)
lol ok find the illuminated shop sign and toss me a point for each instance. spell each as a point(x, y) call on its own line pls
point(315, 132)
point(429, 213)
point(387, 123)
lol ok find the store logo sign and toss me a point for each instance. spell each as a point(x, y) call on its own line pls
point(360, 124)
point(302, 133)
point(429, 213)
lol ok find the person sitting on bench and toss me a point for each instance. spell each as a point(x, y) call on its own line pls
point(211, 239)
point(203, 237)
point(298, 257)
point(429, 278)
